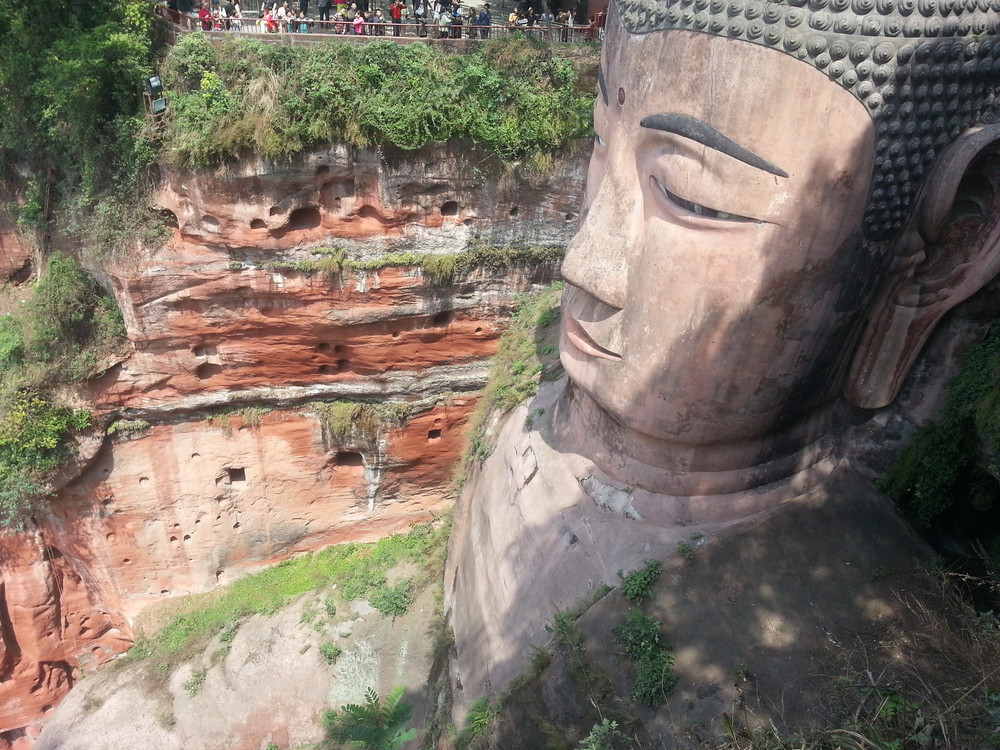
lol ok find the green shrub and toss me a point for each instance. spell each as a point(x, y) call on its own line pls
point(637, 586)
point(685, 550)
point(639, 635)
point(655, 679)
point(641, 641)
point(392, 602)
point(57, 336)
point(331, 651)
point(70, 114)
point(477, 722)
point(605, 736)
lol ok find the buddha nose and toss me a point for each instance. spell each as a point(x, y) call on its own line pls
point(598, 257)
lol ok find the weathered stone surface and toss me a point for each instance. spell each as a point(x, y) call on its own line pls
point(14, 250)
point(272, 685)
point(433, 199)
point(200, 328)
point(50, 624)
point(190, 505)
point(539, 530)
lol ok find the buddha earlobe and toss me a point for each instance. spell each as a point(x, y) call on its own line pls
point(939, 264)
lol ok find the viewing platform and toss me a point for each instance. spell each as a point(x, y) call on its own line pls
point(312, 31)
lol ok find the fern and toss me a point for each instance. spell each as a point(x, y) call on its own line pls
point(373, 725)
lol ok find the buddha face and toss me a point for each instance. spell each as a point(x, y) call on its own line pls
point(719, 279)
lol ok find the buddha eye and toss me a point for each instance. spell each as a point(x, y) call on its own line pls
point(599, 141)
point(696, 208)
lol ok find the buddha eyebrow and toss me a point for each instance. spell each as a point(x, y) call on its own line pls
point(603, 84)
point(706, 135)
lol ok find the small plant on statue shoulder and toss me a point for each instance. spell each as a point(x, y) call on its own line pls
point(330, 606)
point(640, 639)
point(392, 602)
point(194, 683)
point(331, 651)
point(638, 635)
point(878, 574)
point(685, 550)
point(605, 736)
point(637, 586)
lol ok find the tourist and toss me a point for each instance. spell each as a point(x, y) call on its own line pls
point(206, 18)
point(359, 24)
point(444, 22)
point(420, 14)
point(324, 14)
point(396, 12)
point(485, 21)
point(340, 21)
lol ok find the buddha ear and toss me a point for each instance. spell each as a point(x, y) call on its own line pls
point(949, 250)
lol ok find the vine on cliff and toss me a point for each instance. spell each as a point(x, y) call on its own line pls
point(62, 333)
point(948, 475)
point(527, 354)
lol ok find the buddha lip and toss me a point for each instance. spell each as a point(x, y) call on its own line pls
point(579, 338)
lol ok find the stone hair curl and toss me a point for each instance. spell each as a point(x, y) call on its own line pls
point(925, 70)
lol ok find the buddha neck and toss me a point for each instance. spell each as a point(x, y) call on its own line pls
point(676, 468)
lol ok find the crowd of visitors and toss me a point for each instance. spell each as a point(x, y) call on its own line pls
point(446, 19)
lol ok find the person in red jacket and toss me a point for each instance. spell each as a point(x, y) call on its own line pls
point(206, 18)
point(396, 11)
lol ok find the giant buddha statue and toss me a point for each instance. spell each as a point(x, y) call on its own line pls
point(770, 234)
point(764, 209)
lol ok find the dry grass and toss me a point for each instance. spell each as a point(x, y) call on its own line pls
point(941, 691)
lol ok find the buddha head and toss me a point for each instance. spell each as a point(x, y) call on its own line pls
point(771, 220)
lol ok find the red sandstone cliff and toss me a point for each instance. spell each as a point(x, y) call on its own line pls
point(203, 494)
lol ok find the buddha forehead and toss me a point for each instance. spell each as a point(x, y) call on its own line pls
point(924, 71)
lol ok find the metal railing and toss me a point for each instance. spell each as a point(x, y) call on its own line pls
point(251, 23)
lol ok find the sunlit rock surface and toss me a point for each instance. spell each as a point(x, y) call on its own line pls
point(222, 323)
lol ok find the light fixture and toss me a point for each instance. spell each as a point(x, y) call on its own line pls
point(159, 106)
point(153, 86)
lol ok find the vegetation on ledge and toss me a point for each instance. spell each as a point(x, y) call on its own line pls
point(358, 571)
point(436, 267)
point(512, 97)
point(57, 336)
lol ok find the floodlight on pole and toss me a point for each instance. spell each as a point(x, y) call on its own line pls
point(154, 87)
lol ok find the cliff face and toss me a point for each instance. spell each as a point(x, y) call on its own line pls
point(221, 460)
